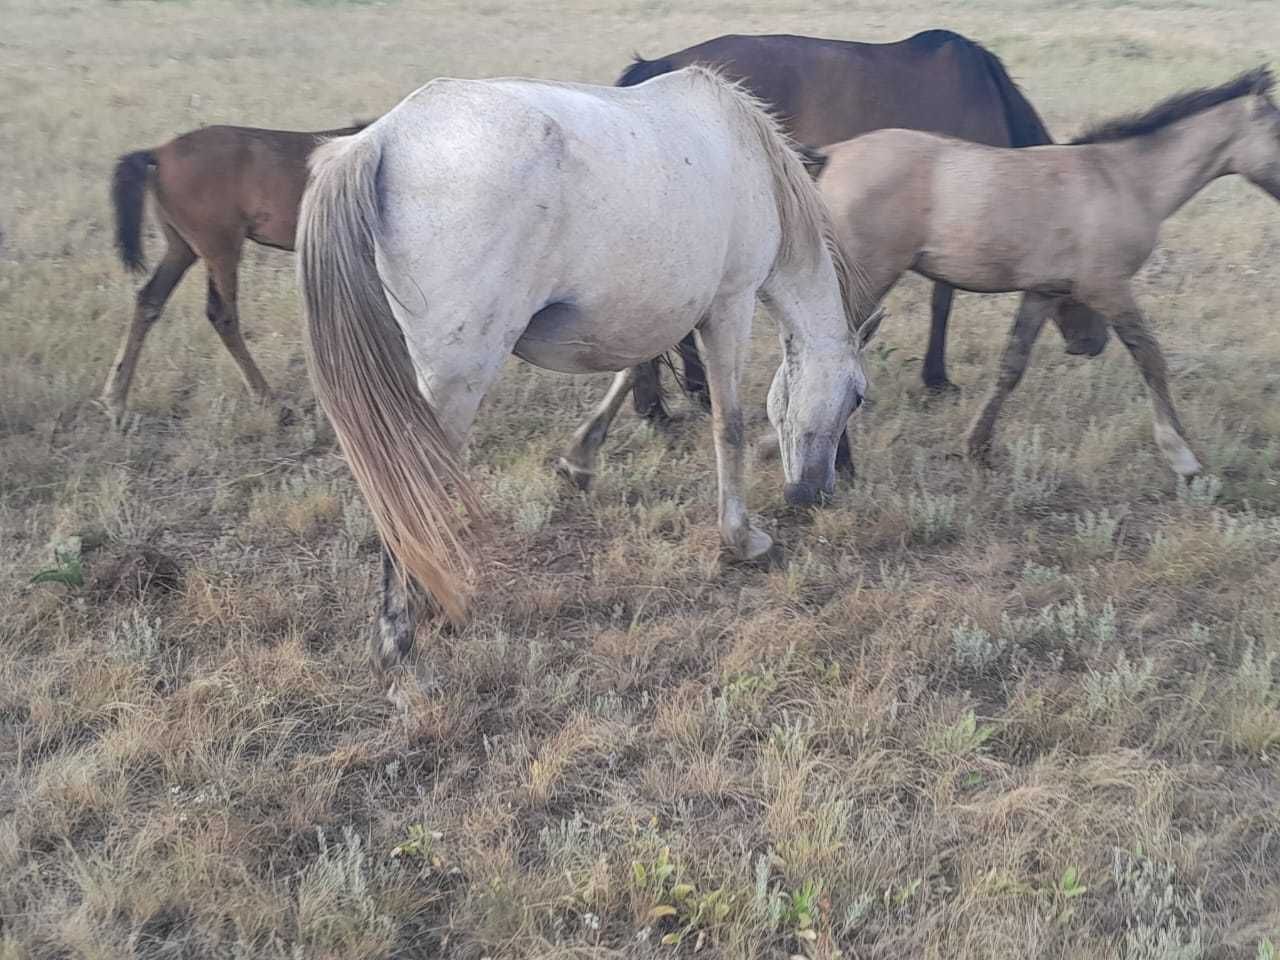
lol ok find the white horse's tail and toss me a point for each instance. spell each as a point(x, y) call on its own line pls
point(363, 377)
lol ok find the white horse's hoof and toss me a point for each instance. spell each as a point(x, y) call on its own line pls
point(575, 475)
point(758, 545)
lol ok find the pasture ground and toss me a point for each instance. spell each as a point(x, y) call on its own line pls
point(1033, 713)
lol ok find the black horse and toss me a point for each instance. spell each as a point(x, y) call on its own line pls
point(826, 91)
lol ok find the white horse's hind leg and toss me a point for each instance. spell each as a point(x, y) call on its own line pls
point(578, 465)
point(723, 339)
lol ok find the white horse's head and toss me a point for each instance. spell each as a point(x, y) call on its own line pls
point(816, 388)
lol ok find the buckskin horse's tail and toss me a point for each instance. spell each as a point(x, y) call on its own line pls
point(128, 191)
point(363, 377)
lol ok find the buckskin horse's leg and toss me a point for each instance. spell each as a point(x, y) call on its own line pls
point(178, 258)
point(1030, 318)
point(578, 465)
point(1083, 328)
point(1119, 307)
point(723, 340)
point(934, 373)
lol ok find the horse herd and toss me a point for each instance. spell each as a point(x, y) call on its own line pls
point(589, 229)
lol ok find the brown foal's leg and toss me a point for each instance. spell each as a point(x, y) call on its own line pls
point(1119, 307)
point(934, 373)
point(178, 258)
point(1032, 313)
point(224, 314)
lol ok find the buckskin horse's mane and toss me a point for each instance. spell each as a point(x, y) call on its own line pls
point(1178, 107)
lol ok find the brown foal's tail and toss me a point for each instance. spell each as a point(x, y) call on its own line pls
point(363, 377)
point(128, 190)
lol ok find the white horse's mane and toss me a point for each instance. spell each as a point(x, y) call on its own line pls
point(801, 209)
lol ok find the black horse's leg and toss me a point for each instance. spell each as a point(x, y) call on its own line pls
point(844, 455)
point(695, 376)
point(935, 357)
point(646, 392)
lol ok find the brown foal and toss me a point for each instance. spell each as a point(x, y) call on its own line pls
point(213, 188)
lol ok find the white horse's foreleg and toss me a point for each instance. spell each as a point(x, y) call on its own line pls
point(578, 465)
point(723, 339)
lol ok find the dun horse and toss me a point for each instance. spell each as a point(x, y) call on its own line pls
point(1070, 225)
point(213, 188)
point(825, 91)
point(432, 247)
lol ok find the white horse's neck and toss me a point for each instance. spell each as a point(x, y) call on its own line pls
point(804, 299)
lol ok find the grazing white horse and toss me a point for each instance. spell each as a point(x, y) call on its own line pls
point(585, 229)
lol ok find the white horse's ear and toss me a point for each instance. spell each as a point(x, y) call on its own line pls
point(869, 327)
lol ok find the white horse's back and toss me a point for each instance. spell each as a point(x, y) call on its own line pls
point(588, 193)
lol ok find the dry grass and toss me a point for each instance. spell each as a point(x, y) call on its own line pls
point(1034, 713)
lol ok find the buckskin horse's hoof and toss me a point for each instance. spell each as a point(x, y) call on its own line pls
point(980, 452)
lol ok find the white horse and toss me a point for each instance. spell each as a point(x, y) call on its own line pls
point(585, 229)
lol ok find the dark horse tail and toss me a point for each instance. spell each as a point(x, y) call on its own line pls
point(128, 190)
point(1026, 129)
point(641, 70)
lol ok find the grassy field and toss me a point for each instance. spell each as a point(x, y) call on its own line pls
point(1026, 713)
